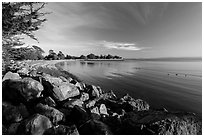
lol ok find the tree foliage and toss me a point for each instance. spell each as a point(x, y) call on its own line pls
point(20, 18)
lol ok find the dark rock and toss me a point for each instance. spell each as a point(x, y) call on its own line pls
point(72, 103)
point(35, 125)
point(10, 113)
point(160, 122)
point(79, 115)
point(4, 130)
point(50, 112)
point(94, 127)
point(67, 115)
point(49, 101)
point(12, 130)
point(131, 104)
point(23, 110)
point(10, 75)
point(73, 81)
point(84, 96)
point(11, 91)
point(62, 130)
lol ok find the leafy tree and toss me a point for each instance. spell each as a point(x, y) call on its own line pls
point(91, 56)
point(20, 18)
point(60, 55)
point(82, 57)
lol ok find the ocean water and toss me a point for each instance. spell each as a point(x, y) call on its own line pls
point(176, 86)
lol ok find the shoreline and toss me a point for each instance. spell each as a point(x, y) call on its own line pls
point(92, 110)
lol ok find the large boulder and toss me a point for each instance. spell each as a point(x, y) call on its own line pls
point(62, 130)
point(10, 75)
point(58, 89)
point(94, 127)
point(50, 112)
point(65, 90)
point(160, 122)
point(35, 125)
point(31, 88)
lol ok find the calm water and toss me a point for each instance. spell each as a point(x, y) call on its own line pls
point(173, 85)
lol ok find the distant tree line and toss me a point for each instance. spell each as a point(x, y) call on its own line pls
point(54, 56)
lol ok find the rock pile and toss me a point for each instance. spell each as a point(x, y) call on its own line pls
point(36, 103)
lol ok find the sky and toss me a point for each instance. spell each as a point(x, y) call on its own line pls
point(130, 30)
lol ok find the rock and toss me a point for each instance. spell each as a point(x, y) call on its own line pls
point(12, 130)
point(94, 127)
point(79, 86)
point(57, 89)
point(63, 79)
point(65, 90)
point(69, 79)
point(11, 91)
point(23, 71)
point(160, 122)
point(84, 96)
point(79, 116)
point(10, 75)
point(132, 104)
point(33, 73)
point(103, 109)
point(95, 113)
point(72, 103)
point(67, 115)
point(73, 81)
point(10, 113)
point(95, 92)
point(90, 104)
point(108, 95)
point(4, 130)
point(49, 101)
point(50, 112)
point(35, 125)
point(31, 88)
point(52, 80)
point(23, 110)
point(62, 130)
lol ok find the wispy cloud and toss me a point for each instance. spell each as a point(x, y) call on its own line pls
point(119, 45)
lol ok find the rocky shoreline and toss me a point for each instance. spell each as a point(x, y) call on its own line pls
point(41, 99)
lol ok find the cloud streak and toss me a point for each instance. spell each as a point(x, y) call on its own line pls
point(120, 45)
